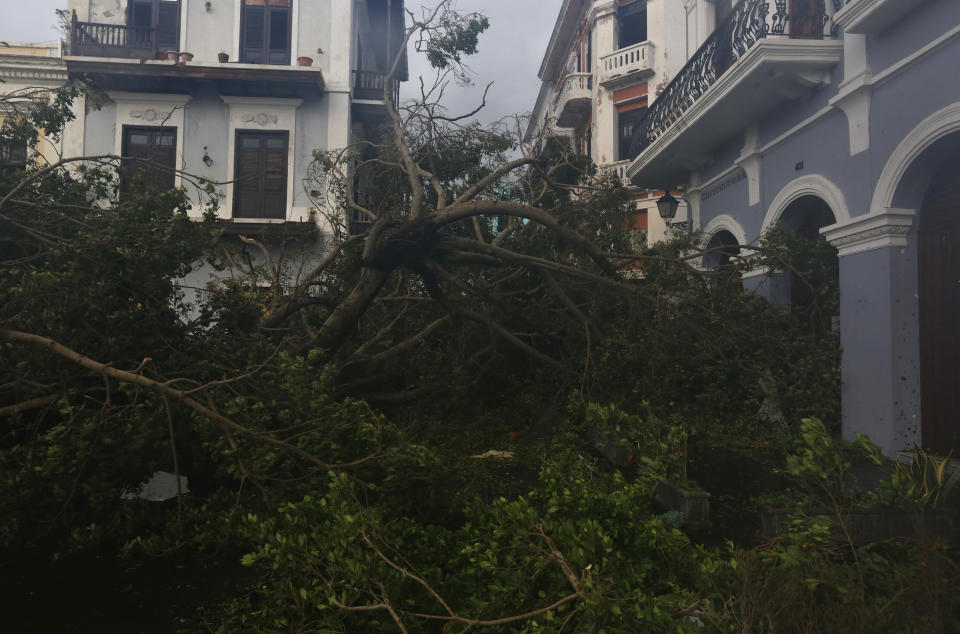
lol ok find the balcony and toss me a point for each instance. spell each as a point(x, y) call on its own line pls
point(872, 16)
point(761, 56)
point(626, 66)
point(368, 85)
point(92, 39)
point(574, 99)
point(618, 169)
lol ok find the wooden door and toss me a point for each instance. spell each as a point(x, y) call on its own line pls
point(939, 270)
point(260, 190)
point(807, 18)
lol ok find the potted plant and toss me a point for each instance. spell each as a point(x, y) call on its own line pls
point(173, 56)
point(909, 503)
point(186, 57)
point(305, 61)
point(223, 58)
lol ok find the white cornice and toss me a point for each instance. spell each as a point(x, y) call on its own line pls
point(819, 54)
point(871, 231)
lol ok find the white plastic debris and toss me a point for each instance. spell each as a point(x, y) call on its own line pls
point(493, 453)
point(161, 486)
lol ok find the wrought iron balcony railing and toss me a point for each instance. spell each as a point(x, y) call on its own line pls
point(749, 22)
point(369, 85)
point(111, 40)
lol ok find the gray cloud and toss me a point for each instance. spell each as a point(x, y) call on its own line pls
point(509, 55)
point(31, 21)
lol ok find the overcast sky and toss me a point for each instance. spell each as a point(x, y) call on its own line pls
point(510, 50)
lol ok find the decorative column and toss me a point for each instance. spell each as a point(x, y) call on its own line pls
point(879, 327)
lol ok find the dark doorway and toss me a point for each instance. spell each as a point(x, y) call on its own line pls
point(723, 249)
point(814, 275)
point(260, 190)
point(149, 153)
point(632, 21)
point(627, 121)
point(266, 32)
point(938, 256)
point(807, 19)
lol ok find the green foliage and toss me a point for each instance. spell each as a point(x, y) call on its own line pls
point(454, 37)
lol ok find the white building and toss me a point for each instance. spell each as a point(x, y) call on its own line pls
point(239, 93)
point(606, 62)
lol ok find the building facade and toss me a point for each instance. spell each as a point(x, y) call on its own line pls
point(28, 72)
point(839, 118)
point(238, 93)
point(604, 66)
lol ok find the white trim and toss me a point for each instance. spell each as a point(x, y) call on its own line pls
point(929, 131)
point(862, 16)
point(274, 114)
point(723, 222)
point(871, 231)
point(295, 32)
point(182, 44)
point(150, 110)
point(808, 185)
point(237, 21)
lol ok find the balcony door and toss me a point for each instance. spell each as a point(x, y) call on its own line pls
point(938, 248)
point(807, 18)
point(162, 15)
point(260, 190)
point(266, 32)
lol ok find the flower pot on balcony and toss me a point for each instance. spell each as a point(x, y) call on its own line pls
point(173, 56)
point(186, 57)
point(305, 61)
point(223, 58)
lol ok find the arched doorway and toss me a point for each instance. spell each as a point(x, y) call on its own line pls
point(722, 253)
point(938, 244)
point(812, 282)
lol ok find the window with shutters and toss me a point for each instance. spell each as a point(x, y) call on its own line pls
point(150, 154)
point(162, 15)
point(260, 188)
point(13, 155)
point(265, 33)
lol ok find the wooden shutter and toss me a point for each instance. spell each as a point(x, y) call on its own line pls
point(168, 25)
point(260, 190)
point(266, 32)
point(153, 154)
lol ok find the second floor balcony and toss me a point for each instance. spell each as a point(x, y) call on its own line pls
point(766, 52)
point(112, 40)
point(574, 99)
point(627, 65)
point(368, 85)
